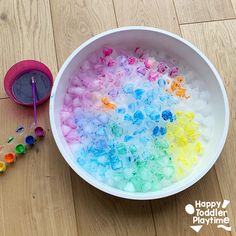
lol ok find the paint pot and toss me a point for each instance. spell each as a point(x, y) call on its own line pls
point(30, 140)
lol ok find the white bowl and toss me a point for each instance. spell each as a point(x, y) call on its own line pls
point(172, 45)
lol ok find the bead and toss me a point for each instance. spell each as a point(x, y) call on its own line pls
point(161, 83)
point(116, 130)
point(181, 92)
point(161, 68)
point(140, 131)
point(113, 93)
point(166, 115)
point(110, 63)
point(121, 149)
point(101, 132)
point(107, 51)
point(198, 148)
point(190, 115)
point(144, 140)
point(107, 104)
point(138, 93)
point(138, 115)
point(163, 130)
point(179, 172)
point(155, 131)
point(132, 149)
point(152, 76)
point(127, 138)
point(180, 79)
point(174, 72)
point(131, 60)
point(154, 116)
point(131, 107)
point(120, 110)
point(128, 88)
point(141, 70)
point(116, 164)
point(127, 117)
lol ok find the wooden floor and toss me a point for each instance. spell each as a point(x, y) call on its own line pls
point(40, 194)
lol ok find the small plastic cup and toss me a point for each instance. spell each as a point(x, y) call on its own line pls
point(39, 132)
point(3, 166)
point(20, 149)
point(10, 157)
point(30, 140)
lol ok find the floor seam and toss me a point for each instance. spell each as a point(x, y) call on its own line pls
point(220, 190)
point(117, 25)
point(153, 219)
point(57, 64)
point(4, 98)
point(207, 21)
point(53, 33)
point(177, 16)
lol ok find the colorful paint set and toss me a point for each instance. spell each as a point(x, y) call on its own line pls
point(28, 83)
point(21, 143)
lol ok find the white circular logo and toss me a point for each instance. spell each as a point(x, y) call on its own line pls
point(189, 209)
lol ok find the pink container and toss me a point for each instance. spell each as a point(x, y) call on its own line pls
point(18, 86)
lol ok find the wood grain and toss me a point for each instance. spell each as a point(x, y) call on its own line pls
point(107, 215)
point(75, 21)
point(26, 33)
point(35, 192)
point(190, 11)
point(155, 13)
point(218, 41)
point(234, 5)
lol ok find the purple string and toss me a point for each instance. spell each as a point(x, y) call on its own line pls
point(34, 99)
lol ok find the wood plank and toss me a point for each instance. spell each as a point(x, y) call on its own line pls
point(160, 14)
point(35, 192)
point(97, 213)
point(218, 41)
point(234, 5)
point(190, 11)
point(75, 21)
point(26, 33)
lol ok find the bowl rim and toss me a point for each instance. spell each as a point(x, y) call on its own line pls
point(148, 195)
